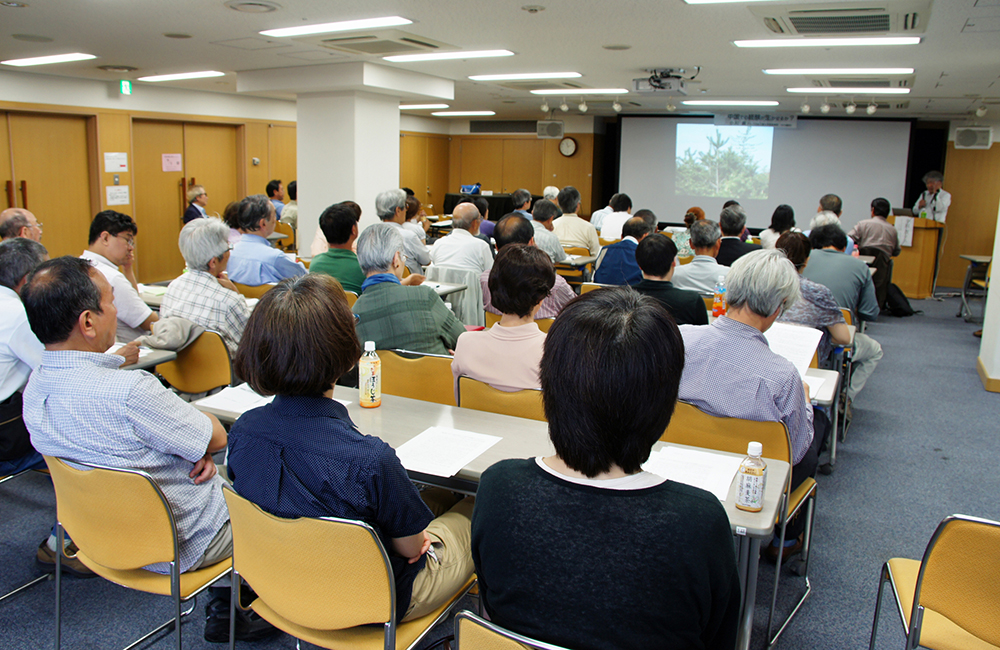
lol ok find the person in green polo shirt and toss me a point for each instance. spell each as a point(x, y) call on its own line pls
point(339, 224)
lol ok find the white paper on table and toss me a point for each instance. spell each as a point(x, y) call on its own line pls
point(152, 289)
point(703, 469)
point(443, 224)
point(238, 399)
point(904, 228)
point(143, 350)
point(443, 452)
point(815, 385)
point(794, 342)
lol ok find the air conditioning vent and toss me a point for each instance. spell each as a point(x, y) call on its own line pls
point(857, 24)
point(974, 137)
point(907, 17)
point(502, 126)
point(550, 128)
point(382, 42)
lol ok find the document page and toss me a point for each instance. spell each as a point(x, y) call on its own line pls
point(794, 342)
point(443, 452)
point(238, 399)
point(704, 469)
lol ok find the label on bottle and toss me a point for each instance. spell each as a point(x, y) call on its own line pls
point(750, 483)
point(719, 304)
point(370, 381)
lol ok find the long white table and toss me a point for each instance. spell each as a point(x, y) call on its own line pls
point(399, 419)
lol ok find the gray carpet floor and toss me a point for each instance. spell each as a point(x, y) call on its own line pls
point(921, 446)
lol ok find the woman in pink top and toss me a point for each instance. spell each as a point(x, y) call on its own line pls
point(506, 356)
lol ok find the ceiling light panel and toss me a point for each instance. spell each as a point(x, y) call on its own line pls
point(445, 56)
point(844, 90)
point(830, 42)
point(44, 60)
point(421, 107)
point(464, 113)
point(342, 26)
point(527, 76)
point(729, 102)
point(204, 74)
point(580, 91)
point(827, 72)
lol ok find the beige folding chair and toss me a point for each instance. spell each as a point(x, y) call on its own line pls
point(480, 396)
point(574, 275)
point(121, 521)
point(607, 242)
point(475, 633)
point(347, 600)
point(288, 243)
point(692, 426)
point(417, 375)
point(250, 291)
point(950, 599)
point(587, 287)
point(200, 367)
point(491, 318)
point(35, 581)
point(544, 323)
point(685, 259)
point(351, 298)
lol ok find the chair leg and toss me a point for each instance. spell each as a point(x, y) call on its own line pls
point(806, 542)
point(34, 582)
point(173, 621)
point(883, 579)
point(60, 536)
point(234, 594)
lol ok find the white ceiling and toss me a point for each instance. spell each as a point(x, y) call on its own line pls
point(957, 63)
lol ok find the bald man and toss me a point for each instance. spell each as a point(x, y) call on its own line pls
point(18, 222)
point(462, 249)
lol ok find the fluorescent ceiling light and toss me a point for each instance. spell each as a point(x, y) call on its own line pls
point(580, 91)
point(729, 102)
point(184, 75)
point(55, 58)
point(716, 2)
point(830, 42)
point(342, 26)
point(420, 107)
point(838, 90)
point(525, 76)
point(444, 56)
point(464, 113)
point(839, 71)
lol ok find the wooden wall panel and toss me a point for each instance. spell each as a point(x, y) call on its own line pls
point(210, 159)
point(972, 176)
point(6, 174)
point(522, 164)
point(255, 146)
point(482, 162)
point(413, 164)
point(114, 134)
point(438, 164)
point(281, 152)
point(159, 208)
point(576, 170)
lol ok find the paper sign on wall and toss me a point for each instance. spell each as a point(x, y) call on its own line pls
point(172, 162)
point(904, 228)
point(115, 162)
point(117, 194)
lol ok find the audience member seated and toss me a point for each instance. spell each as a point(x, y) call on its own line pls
point(197, 200)
point(79, 407)
point(416, 218)
point(616, 264)
point(485, 225)
point(829, 210)
point(878, 237)
point(18, 222)
point(229, 218)
point(254, 261)
point(302, 456)
point(391, 209)
point(112, 244)
point(394, 316)
point(701, 273)
point(657, 258)
point(611, 224)
point(541, 220)
point(782, 221)
point(320, 244)
point(570, 228)
point(551, 192)
point(462, 249)
point(682, 240)
point(609, 378)
point(846, 277)
point(290, 213)
point(730, 371)
point(205, 295)
point(522, 202)
point(276, 195)
point(733, 221)
point(597, 216)
point(339, 224)
point(515, 229)
point(520, 280)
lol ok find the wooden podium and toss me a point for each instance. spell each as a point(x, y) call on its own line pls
point(913, 270)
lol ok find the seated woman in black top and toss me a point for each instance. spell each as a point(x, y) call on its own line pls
point(583, 549)
point(302, 456)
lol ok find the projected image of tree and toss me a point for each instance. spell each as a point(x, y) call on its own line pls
point(723, 161)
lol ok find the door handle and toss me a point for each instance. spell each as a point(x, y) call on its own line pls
point(183, 188)
point(24, 194)
point(10, 194)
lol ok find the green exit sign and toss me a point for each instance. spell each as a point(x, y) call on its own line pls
point(125, 87)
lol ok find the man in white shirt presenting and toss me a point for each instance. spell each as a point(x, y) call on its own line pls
point(462, 249)
point(933, 203)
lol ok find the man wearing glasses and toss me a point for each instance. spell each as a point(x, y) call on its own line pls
point(18, 222)
point(112, 244)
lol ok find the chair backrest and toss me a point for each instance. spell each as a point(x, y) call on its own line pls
point(200, 367)
point(959, 576)
point(544, 323)
point(692, 426)
point(587, 287)
point(480, 396)
point(468, 304)
point(848, 316)
point(491, 318)
point(607, 242)
point(709, 300)
point(685, 259)
point(351, 298)
point(249, 291)
point(118, 517)
point(475, 633)
point(344, 582)
point(416, 375)
point(288, 243)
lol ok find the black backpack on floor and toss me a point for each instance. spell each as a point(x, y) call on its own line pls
point(896, 303)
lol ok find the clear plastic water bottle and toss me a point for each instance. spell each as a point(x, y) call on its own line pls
point(719, 301)
point(751, 479)
point(370, 377)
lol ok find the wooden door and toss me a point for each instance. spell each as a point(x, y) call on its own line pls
point(522, 165)
point(51, 154)
point(281, 152)
point(159, 208)
point(9, 199)
point(438, 149)
point(210, 160)
point(413, 164)
point(482, 162)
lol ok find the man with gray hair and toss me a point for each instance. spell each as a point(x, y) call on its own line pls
point(390, 206)
point(701, 273)
point(522, 202)
point(830, 208)
point(462, 249)
point(18, 222)
point(732, 221)
point(934, 203)
point(541, 220)
point(570, 228)
point(729, 370)
point(551, 192)
point(204, 295)
point(394, 316)
point(254, 260)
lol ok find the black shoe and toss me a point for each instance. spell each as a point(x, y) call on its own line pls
point(249, 625)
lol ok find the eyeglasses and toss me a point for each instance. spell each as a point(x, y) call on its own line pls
point(130, 241)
